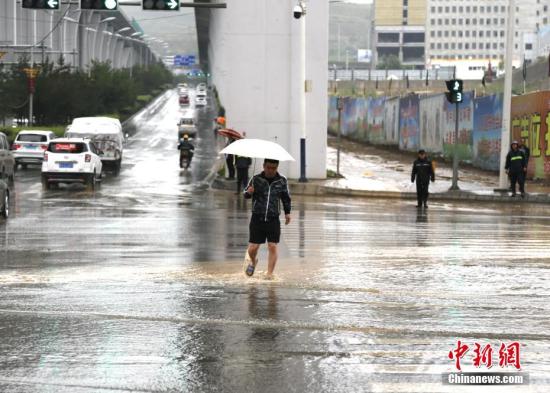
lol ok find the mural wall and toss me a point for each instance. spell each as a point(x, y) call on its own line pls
point(428, 122)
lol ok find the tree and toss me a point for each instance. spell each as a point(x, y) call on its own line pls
point(389, 62)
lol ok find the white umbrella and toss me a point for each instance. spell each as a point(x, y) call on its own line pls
point(257, 148)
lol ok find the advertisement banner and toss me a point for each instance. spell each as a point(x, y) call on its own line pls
point(409, 124)
point(530, 120)
point(375, 120)
point(332, 114)
point(431, 123)
point(354, 118)
point(487, 132)
point(391, 121)
point(465, 127)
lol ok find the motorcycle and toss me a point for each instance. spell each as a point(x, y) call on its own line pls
point(185, 158)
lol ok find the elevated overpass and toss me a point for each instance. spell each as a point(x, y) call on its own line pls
point(78, 36)
point(252, 51)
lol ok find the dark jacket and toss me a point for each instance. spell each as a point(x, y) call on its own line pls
point(242, 162)
point(515, 161)
point(185, 145)
point(267, 195)
point(526, 152)
point(422, 171)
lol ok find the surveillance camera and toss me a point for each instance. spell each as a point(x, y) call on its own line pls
point(298, 11)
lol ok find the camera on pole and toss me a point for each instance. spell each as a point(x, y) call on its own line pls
point(454, 95)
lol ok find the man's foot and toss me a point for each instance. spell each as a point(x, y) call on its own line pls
point(523, 195)
point(269, 277)
point(419, 205)
point(513, 195)
point(425, 205)
point(250, 270)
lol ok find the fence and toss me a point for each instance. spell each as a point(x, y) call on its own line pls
point(428, 122)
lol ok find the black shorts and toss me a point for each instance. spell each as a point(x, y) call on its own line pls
point(261, 230)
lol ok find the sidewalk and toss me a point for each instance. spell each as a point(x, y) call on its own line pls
point(376, 172)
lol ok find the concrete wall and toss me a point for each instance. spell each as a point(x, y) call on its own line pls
point(254, 61)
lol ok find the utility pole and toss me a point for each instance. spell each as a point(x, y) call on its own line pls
point(507, 104)
point(340, 106)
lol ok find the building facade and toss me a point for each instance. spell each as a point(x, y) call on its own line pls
point(400, 27)
point(473, 33)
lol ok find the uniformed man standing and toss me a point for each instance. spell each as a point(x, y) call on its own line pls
point(422, 172)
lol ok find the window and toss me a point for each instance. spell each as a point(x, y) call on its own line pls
point(495, 9)
point(460, 21)
point(32, 138)
point(454, 9)
point(433, 10)
point(494, 45)
point(432, 22)
point(495, 21)
point(460, 9)
point(467, 21)
point(487, 45)
point(481, 33)
point(439, 33)
point(446, 33)
point(432, 33)
point(468, 9)
point(432, 46)
point(460, 33)
point(440, 9)
point(495, 33)
point(502, 9)
point(488, 21)
point(481, 9)
point(460, 45)
point(502, 45)
point(446, 45)
point(474, 45)
point(453, 45)
point(474, 33)
point(502, 33)
point(447, 9)
point(439, 45)
point(453, 33)
point(466, 46)
point(528, 46)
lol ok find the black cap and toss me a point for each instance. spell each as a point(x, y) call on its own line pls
point(421, 151)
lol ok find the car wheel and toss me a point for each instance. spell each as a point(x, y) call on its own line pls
point(45, 183)
point(23, 166)
point(6, 206)
point(91, 184)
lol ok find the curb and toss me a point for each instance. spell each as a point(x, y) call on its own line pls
point(316, 189)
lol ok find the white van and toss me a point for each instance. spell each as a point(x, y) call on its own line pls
point(105, 132)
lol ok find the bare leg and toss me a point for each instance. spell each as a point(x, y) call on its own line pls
point(272, 259)
point(253, 252)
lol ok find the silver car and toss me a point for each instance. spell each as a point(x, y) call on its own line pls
point(4, 199)
point(29, 147)
point(7, 162)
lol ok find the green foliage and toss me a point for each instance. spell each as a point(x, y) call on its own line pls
point(390, 62)
point(63, 94)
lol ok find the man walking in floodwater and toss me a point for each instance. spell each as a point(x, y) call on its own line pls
point(267, 190)
point(422, 172)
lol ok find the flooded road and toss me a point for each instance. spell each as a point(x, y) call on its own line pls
point(138, 286)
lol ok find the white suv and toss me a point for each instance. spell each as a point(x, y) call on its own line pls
point(71, 160)
point(29, 147)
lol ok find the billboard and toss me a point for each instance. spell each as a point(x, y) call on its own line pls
point(487, 132)
point(391, 121)
point(409, 124)
point(530, 120)
point(375, 120)
point(431, 123)
point(465, 126)
point(364, 55)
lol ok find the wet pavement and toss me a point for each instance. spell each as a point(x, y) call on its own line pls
point(138, 286)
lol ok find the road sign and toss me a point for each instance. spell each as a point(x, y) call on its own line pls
point(161, 5)
point(184, 60)
point(109, 5)
point(41, 4)
point(454, 86)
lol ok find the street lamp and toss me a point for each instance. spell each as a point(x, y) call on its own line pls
point(299, 12)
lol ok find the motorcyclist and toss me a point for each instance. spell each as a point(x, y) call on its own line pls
point(186, 149)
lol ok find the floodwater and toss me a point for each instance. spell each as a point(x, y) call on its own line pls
point(138, 287)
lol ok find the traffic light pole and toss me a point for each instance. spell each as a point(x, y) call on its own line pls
point(454, 185)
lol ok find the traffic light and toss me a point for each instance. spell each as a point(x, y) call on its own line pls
point(99, 5)
point(41, 4)
point(161, 5)
point(454, 94)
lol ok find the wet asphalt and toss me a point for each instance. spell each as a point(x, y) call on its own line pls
point(138, 287)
